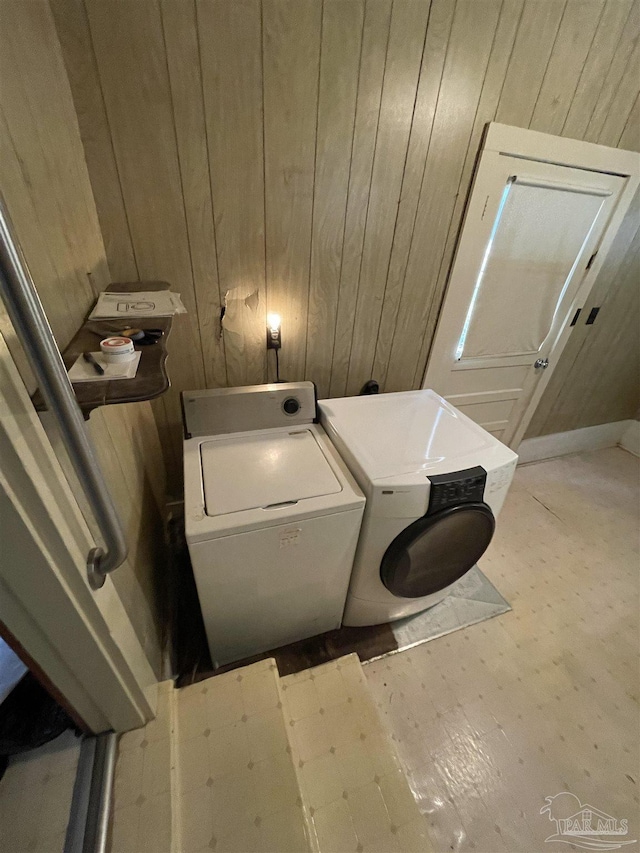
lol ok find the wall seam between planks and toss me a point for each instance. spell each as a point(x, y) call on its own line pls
point(395, 223)
point(111, 142)
point(213, 211)
point(184, 203)
point(366, 218)
point(313, 190)
point(346, 207)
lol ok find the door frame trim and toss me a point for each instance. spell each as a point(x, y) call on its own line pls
point(83, 641)
point(560, 151)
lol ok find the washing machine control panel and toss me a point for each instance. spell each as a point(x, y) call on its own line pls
point(458, 487)
point(217, 411)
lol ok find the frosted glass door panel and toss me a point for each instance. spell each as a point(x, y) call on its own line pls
point(538, 236)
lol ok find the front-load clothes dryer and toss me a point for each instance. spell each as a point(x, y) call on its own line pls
point(434, 482)
point(272, 517)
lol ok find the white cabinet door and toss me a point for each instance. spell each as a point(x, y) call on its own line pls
point(522, 270)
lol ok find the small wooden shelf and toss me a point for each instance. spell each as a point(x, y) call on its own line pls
point(151, 379)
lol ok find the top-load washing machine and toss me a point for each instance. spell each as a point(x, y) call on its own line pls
point(272, 517)
point(434, 482)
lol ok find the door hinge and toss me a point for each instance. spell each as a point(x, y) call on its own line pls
point(592, 316)
point(592, 259)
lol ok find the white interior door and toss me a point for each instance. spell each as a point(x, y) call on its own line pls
point(81, 639)
point(525, 263)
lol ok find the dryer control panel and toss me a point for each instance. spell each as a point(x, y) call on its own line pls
point(458, 487)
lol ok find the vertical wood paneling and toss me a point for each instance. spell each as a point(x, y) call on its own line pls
point(82, 70)
point(339, 64)
point(599, 365)
point(510, 15)
point(42, 157)
point(129, 468)
point(130, 50)
point(375, 38)
point(612, 349)
point(404, 53)
point(622, 102)
point(535, 40)
point(575, 35)
point(183, 62)
point(630, 138)
point(45, 182)
point(75, 39)
point(291, 45)
point(231, 57)
point(435, 49)
point(592, 78)
point(131, 56)
point(620, 64)
point(508, 22)
point(464, 71)
point(64, 319)
point(316, 157)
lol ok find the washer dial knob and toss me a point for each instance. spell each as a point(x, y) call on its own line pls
point(291, 406)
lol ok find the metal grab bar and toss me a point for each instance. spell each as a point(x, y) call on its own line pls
point(34, 332)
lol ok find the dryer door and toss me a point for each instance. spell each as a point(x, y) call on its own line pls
point(436, 550)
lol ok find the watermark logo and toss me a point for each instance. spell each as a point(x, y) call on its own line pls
point(583, 825)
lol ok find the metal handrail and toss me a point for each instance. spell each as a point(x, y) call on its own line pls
point(34, 332)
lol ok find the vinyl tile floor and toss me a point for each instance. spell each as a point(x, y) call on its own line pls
point(494, 719)
point(35, 797)
point(354, 790)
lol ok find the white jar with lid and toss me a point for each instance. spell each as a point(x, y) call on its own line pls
point(117, 350)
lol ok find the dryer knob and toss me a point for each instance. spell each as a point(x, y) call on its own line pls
point(291, 406)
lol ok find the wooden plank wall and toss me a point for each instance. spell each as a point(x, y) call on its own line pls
point(598, 378)
point(44, 177)
point(45, 183)
point(313, 157)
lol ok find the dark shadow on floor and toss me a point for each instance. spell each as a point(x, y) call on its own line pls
point(367, 643)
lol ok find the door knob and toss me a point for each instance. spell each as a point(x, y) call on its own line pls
point(541, 363)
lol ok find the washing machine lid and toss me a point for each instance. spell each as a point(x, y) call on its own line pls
point(405, 433)
point(243, 472)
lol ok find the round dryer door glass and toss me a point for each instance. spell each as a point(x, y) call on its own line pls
point(436, 550)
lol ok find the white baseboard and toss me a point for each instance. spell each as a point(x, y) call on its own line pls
point(577, 440)
point(630, 439)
